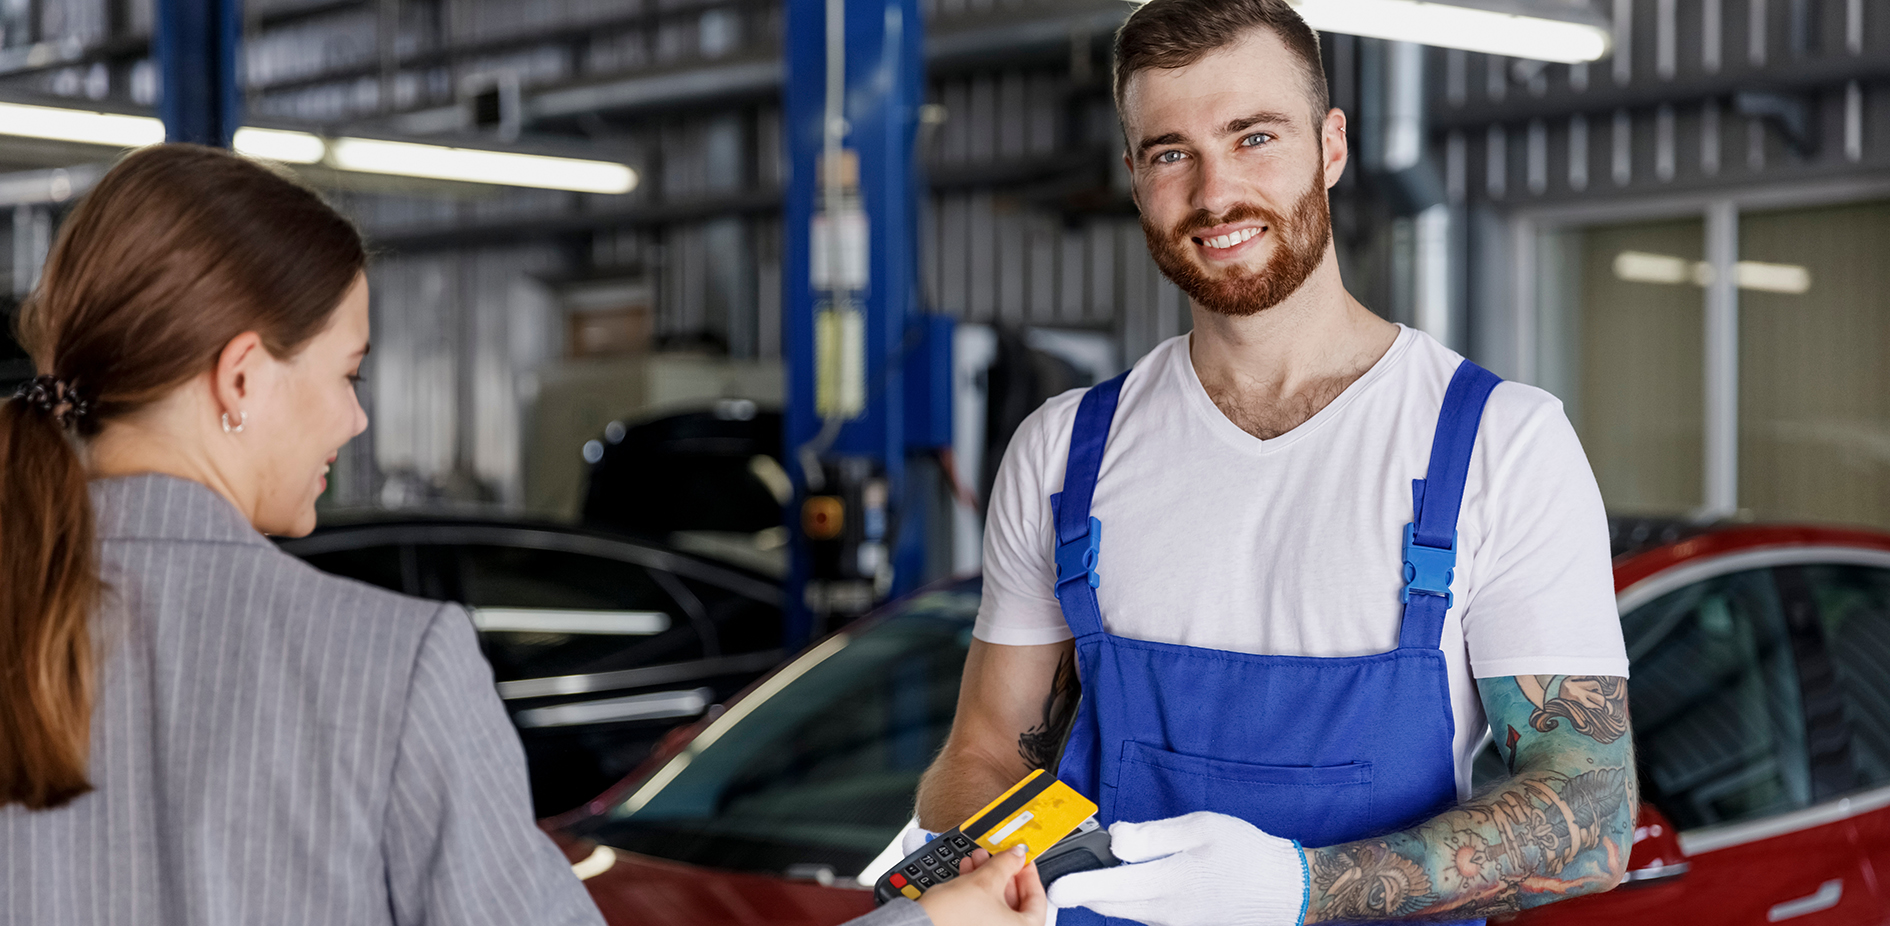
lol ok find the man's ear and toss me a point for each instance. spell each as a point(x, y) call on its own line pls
point(1134, 195)
point(1334, 150)
point(233, 381)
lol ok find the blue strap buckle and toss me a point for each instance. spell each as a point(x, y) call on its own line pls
point(1081, 555)
point(1428, 570)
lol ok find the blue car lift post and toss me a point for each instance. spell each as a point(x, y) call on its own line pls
point(195, 44)
point(864, 384)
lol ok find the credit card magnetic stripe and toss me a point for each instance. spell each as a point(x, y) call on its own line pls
point(1007, 804)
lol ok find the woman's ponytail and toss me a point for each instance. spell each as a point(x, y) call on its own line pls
point(177, 250)
point(49, 584)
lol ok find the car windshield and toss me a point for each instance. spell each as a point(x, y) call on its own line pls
point(818, 766)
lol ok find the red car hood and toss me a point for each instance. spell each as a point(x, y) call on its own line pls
point(638, 890)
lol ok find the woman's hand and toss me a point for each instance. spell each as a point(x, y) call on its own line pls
point(999, 890)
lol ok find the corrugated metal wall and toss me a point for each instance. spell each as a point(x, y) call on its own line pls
point(1666, 111)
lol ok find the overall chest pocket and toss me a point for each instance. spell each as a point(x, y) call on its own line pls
point(1319, 805)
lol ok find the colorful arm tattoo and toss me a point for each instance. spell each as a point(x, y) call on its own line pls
point(1558, 827)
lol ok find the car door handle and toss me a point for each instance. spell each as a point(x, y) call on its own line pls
point(1826, 897)
point(1655, 873)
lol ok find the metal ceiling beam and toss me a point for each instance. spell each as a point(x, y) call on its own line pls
point(716, 83)
point(1007, 39)
point(1800, 76)
point(565, 34)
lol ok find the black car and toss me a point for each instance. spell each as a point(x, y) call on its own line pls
point(599, 643)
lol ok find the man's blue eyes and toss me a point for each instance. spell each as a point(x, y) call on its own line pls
point(1252, 141)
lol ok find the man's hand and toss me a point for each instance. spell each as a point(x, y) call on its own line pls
point(1202, 869)
point(1561, 825)
point(1002, 890)
point(1013, 707)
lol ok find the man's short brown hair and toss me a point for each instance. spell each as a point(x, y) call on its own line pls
point(1177, 33)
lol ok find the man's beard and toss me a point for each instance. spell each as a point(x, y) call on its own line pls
point(1299, 247)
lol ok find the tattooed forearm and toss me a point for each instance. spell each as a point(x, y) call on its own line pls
point(1559, 827)
point(1042, 745)
point(1594, 705)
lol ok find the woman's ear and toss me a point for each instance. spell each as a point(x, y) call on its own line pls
point(237, 366)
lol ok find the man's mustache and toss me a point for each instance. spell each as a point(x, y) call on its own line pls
point(1244, 212)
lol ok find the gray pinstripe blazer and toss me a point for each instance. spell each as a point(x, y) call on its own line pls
point(273, 745)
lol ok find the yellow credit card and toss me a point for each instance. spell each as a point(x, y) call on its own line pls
point(1035, 813)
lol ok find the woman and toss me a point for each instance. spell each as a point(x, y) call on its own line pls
point(194, 727)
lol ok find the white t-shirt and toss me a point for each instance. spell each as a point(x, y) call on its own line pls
point(1293, 546)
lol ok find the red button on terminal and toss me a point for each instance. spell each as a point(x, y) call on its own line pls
point(898, 880)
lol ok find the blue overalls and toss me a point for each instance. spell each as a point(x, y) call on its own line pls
point(1322, 750)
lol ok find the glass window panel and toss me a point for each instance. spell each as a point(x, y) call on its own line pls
point(518, 577)
point(390, 567)
point(822, 771)
point(1620, 331)
point(1854, 609)
point(1814, 396)
point(1715, 700)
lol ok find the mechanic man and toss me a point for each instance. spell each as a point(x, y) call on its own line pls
point(1297, 561)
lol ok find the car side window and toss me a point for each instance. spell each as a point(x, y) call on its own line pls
point(1715, 699)
point(390, 566)
point(821, 772)
point(1853, 605)
point(495, 579)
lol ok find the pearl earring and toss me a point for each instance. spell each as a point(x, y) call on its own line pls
point(242, 419)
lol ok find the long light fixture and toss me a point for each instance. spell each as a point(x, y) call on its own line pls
point(365, 155)
point(1642, 267)
point(76, 125)
point(474, 165)
point(280, 145)
point(1450, 26)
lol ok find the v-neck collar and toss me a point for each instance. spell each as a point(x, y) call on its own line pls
point(1189, 382)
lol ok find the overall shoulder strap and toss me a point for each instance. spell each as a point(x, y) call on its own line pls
point(1430, 540)
point(1079, 534)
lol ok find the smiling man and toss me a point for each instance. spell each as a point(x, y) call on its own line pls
point(1298, 563)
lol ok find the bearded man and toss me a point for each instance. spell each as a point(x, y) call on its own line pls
point(1298, 562)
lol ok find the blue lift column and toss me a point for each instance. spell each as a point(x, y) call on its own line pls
point(856, 345)
point(195, 43)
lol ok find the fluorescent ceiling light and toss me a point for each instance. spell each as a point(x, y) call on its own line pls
point(1772, 278)
point(407, 159)
point(77, 125)
point(279, 145)
point(477, 166)
point(1450, 26)
point(1642, 267)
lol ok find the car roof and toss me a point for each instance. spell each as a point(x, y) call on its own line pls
point(1703, 543)
point(375, 529)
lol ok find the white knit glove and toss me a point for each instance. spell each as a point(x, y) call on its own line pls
point(1203, 869)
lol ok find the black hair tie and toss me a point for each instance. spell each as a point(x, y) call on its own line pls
point(55, 398)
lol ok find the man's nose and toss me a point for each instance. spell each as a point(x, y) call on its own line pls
point(1217, 188)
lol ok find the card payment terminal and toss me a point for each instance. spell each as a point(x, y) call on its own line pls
point(1053, 823)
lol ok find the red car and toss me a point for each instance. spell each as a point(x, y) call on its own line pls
point(1760, 696)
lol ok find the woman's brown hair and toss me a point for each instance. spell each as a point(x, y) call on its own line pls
point(175, 252)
